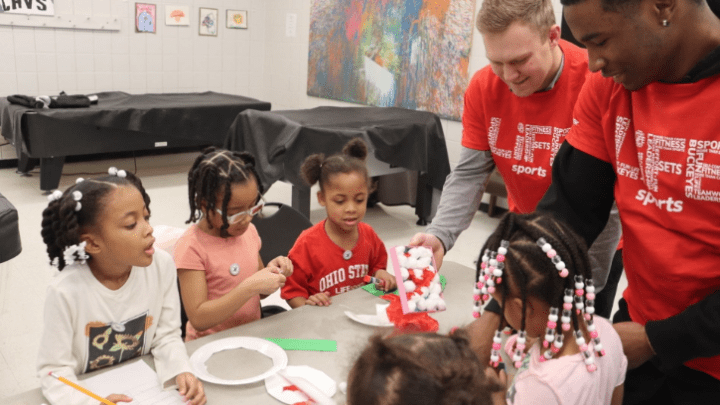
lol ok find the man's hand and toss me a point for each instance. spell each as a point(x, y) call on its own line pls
point(426, 239)
point(636, 344)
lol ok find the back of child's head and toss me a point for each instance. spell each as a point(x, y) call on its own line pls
point(418, 369)
point(70, 213)
point(214, 172)
point(537, 255)
point(318, 168)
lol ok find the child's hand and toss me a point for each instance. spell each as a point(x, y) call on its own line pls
point(191, 389)
point(115, 398)
point(390, 282)
point(284, 264)
point(320, 299)
point(498, 378)
point(266, 281)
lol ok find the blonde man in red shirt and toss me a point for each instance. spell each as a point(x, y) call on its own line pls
point(517, 112)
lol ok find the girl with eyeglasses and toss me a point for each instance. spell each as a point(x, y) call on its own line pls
point(222, 277)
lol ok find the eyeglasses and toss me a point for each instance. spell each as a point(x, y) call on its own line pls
point(241, 215)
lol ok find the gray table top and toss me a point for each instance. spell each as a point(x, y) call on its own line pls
point(315, 323)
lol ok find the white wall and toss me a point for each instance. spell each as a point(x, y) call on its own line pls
point(174, 59)
point(260, 62)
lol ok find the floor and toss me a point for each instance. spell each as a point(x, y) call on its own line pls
point(23, 280)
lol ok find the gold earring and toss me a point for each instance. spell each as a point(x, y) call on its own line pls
point(665, 23)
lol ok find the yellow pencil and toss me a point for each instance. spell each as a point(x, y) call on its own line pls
point(81, 389)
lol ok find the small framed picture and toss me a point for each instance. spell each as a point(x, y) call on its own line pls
point(177, 15)
point(208, 21)
point(145, 17)
point(236, 19)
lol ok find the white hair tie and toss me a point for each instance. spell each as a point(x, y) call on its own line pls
point(77, 196)
point(55, 195)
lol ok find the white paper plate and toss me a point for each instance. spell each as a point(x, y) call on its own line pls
point(270, 349)
point(298, 374)
point(378, 319)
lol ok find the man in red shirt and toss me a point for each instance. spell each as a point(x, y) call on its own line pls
point(516, 115)
point(645, 131)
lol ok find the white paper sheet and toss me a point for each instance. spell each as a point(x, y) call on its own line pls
point(136, 380)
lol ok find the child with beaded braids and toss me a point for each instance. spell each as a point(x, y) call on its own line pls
point(419, 369)
point(538, 269)
point(115, 298)
point(222, 277)
point(336, 254)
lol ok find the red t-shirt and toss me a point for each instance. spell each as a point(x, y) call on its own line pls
point(667, 163)
point(523, 133)
point(319, 266)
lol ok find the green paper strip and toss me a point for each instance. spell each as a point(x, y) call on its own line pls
point(378, 293)
point(313, 345)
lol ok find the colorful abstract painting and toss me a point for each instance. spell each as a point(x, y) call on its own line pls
point(403, 53)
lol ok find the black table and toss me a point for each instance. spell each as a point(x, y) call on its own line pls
point(119, 122)
point(401, 138)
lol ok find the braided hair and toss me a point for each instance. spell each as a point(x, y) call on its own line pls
point(419, 369)
point(62, 224)
point(318, 168)
point(541, 257)
point(217, 170)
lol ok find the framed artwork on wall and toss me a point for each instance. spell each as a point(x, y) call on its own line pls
point(145, 17)
point(208, 21)
point(236, 19)
point(177, 15)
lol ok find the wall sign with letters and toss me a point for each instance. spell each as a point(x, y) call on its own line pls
point(34, 7)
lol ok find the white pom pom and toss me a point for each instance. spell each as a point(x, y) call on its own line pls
point(403, 261)
point(409, 286)
point(418, 273)
point(121, 173)
point(423, 262)
point(343, 387)
point(404, 273)
point(436, 279)
point(412, 263)
point(598, 347)
point(78, 206)
point(425, 291)
point(433, 297)
point(415, 297)
point(422, 305)
point(412, 306)
point(441, 305)
point(415, 252)
point(79, 180)
point(77, 195)
point(113, 171)
point(432, 303)
point(431, 268)
point(436, 288)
